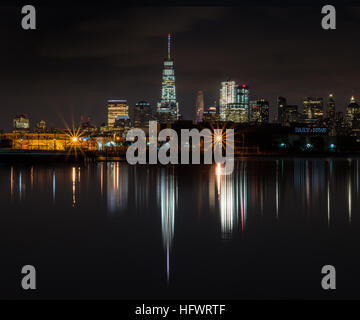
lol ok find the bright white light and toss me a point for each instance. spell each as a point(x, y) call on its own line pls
point(74, 139)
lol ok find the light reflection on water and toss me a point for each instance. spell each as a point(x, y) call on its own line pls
point(259, 192)
point(307, 182)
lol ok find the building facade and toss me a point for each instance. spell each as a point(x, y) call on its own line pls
point(21, 122)
point(199, 107)
point(168, 108)
point(281, 104)
point(142, 114)
point(211, 114)
point(313, 109)
point(330, 108)
point(353, 116)
point(118, 110)
point(291, 114)
point(259, 110)
point(227, 96)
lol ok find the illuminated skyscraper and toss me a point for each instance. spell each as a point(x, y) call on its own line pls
point(199, 106)
point(281, 101)
point(353, 114)
point(254, 110)
point(142, 115)
point(211, 114)
point(330, 108)
point(313, 109)
point(168, 108)
point(259, 110)
point(291, 114)
point(239, 110)
point(227, 96)
point(118, 110)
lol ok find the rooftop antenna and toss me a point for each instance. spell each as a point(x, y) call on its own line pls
point(169, 38)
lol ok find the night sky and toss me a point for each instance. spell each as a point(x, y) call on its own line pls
point(82, 55)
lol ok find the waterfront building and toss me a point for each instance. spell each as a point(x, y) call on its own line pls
point(117, 110)
point(142, 114)
point(254, 110)
point(313, 109)
point(54, 141)
point(353, 116)
point(259, 110)
point(291, 114)
point(330, 108)
point(281, 104)
point(239, 110)
point(199, 107)
point(21, 122)
point(41, 126)
point(88, 127)
point(211, 114)
point(168, 108)
point(227, 96)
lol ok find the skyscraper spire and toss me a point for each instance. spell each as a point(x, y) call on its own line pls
point(168, 107)
point(169, 38)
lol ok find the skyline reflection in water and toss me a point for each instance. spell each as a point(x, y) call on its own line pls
point(176, 207)
point(309, 183)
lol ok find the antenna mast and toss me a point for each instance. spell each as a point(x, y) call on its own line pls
point(169, 38)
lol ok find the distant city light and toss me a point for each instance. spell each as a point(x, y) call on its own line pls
point(75, 139)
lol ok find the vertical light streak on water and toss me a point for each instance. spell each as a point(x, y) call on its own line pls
point(328, 195)
point(31, 178)
point(307, 178)
point(20, 184)
point(261, 197)
point(117, 176)
point(277, 190)
point(102, 179)
point(53, 186)
point(245, 193)
point(226, 202)
point(12, 183)
point(242, 203)
point(73, 186)
point(167, 198)
point(349, 193)
point(218, 178)
point(79, 179)
point(357, 177)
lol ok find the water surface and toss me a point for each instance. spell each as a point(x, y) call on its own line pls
point(111, 230)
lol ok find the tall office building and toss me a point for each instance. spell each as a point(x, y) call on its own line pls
point(259, 110)
point(281, 103)
point(168, 107)
point(264, 110)
point(254, 110)
point(239, 110)
point(330, 108)
point(291, 114)
point(142, 114)
point(227, 96)
point(313, 109)
point(118, 111)
point(199, 107)
point(211, 114)
point(353, 113)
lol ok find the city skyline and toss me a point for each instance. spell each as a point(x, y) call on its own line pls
point(61, 80)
